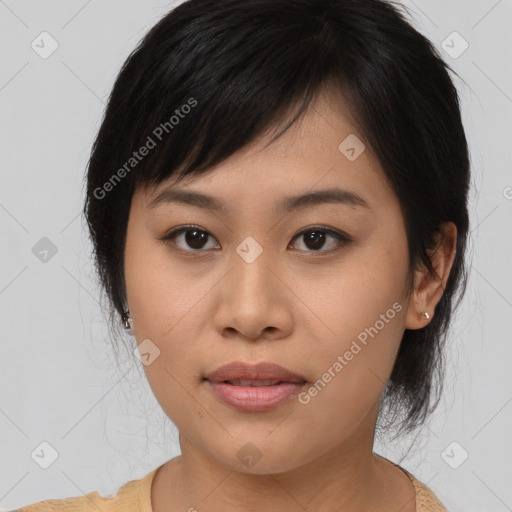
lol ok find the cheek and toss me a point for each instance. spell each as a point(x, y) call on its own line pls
point(360, 311)
point(364, 288)
point(165, 301)
point(155, 290)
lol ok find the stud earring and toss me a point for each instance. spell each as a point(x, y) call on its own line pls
point(426, 315)
point(127, 320)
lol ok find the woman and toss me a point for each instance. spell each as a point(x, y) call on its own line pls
point(277, 199)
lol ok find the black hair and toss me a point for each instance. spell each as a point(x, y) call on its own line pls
point(214, 75)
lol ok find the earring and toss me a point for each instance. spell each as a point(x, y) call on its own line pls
point(127, 320)
point(426, 315)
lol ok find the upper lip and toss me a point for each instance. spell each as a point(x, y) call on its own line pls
point(246, 371)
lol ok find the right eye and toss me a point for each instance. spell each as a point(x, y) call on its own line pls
point(192, 238)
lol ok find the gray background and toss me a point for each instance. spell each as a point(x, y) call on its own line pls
point(58, 379)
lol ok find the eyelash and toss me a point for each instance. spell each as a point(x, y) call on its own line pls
point(342, 238)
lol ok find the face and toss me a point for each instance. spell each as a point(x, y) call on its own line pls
point(319, 289)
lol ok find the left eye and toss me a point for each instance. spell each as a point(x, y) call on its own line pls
point(313, 238)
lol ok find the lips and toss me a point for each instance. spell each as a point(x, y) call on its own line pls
point(254, 388)
point(244, 382)
point(262, 374)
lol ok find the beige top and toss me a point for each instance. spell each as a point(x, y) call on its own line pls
point(135, 496)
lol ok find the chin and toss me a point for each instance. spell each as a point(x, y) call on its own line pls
point(258, 458)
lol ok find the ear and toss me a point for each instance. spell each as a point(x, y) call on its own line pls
point(429, 289)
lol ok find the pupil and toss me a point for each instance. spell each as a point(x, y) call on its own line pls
point(317, 238)
point(195, 241)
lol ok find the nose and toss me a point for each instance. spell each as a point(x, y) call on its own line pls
point(255, 302)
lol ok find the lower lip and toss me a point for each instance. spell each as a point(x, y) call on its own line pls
point(255, 398)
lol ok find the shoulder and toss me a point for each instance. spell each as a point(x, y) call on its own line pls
point(426, 500)
point(134, 496)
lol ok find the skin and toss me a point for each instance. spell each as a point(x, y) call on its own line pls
point(294, 306)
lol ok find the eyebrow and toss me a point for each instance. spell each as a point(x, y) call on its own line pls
point(288, 204)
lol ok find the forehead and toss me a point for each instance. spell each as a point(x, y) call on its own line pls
point(323, 150)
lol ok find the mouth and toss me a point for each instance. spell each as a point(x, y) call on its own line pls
point(239, 373)
point(259, 383)
point(254, 388)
